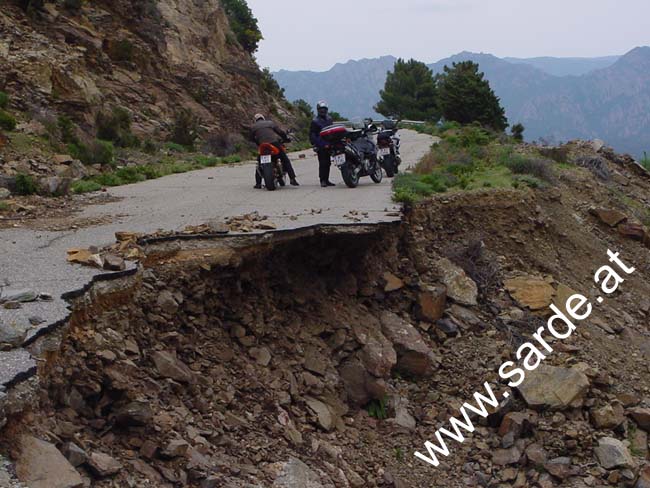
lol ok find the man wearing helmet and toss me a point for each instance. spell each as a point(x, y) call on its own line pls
point(268, 132)
point(321, 121)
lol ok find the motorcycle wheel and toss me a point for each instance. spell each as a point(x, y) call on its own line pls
point(377, 175)
point(269, 176)
point(389, 166)
point(350, 178)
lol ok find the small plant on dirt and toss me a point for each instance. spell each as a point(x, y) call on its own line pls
point(26, 184)
point(481, 268)
point(174, 147)
point(377, 409)
point(517, 131)
point(185, 130)
point(4, 100)
point(645, 161)
point(84, 186)
point(4, 206)
point(399, 454)
point(7, 121)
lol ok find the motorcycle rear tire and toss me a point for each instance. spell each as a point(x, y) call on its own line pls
point(378, 174)
point(389, 166)
point(269, 176)
point(350, 177)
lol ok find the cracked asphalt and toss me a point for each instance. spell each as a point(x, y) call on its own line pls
point(36, 260)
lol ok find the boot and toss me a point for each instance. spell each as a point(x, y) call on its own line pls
point(329, 183)
point(323, 184)
point(258, 186)
point(294, 182)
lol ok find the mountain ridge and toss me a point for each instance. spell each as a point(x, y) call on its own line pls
point(608, 103)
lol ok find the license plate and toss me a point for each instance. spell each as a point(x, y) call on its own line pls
point(384, 151)
point(338, 159)
point(266, 159)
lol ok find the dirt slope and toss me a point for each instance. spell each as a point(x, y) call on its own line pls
point(265, 363)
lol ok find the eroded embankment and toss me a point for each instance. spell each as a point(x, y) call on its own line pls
point(326, 357)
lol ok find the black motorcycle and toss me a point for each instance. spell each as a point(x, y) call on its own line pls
point(388, 144)
point(353, 152)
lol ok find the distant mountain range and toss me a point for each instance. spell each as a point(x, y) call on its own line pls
point(555, 98)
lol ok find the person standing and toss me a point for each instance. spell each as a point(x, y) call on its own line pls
point(321, 121)
point(268, 132)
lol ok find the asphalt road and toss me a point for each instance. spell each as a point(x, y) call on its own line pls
point(36, 260)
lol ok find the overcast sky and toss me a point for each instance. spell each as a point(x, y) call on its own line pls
point(316, 34)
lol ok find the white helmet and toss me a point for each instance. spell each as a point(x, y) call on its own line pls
point(259, 117)
point(322, 104)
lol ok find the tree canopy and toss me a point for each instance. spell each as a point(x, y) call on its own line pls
point(243, 23)
point(410, 92)
point(464, 96)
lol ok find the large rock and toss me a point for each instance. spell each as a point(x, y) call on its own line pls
point(431, 303)
point(414, 356)
point(377, 354)
point(554, 388)
point(460, 287)
point(55, 185)
point(295, 474)
point(530, 291)
point(12, 333)
point(393, 283)
point(611, 453)
point(609, 216)
point(169, 366)
point(323, 413)
point(135, 414)
point(41, 465)
point(4, 193)
point(103, 465)
point(608, 416)
point(641, 416)
point(360, 385)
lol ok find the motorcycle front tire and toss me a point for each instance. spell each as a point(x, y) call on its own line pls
point(268, 173)
point(350, 177)
point(377, 175)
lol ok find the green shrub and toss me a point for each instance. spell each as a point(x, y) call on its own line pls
point(115, 126)
point(25, 185)
point(150, 147)
point(185, 130)
point(122, 51)
point(7, 121)
point(72, 4)
point(207, 161)
point(130, 175)
point(243, 24)
point(85, 186)
point(4, 206)
point(518, 132)
point(235, 158)
point(4, 100)
point(97, 152)
point(539, 168)
point(174, 147)
point(67, 130)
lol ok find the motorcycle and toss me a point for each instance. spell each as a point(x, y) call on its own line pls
point(388, 143)
point(353, 152)
point(269, 166)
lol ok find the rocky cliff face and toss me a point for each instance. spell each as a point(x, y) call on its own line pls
point(151, 57)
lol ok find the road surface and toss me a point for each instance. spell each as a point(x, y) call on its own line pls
point(36, 260)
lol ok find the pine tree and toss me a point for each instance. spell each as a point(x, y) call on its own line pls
point(464, 96)
point(518, 132)
point(409, 93)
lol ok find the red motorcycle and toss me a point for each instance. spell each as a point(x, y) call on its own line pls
point(269, 166)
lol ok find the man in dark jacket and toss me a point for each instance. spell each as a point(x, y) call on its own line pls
point(268, 132)
point(321, 121)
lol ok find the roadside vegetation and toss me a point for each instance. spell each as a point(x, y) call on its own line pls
point(135, 174)
point(472, 158)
